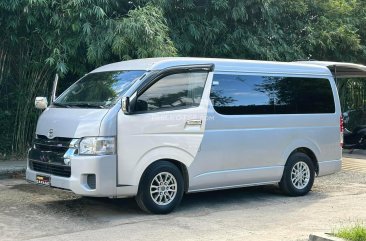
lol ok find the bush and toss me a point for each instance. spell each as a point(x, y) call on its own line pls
point(356, 232)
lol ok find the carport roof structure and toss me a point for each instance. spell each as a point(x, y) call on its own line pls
point(341, 70)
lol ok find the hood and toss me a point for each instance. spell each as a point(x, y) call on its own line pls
point(70, 122)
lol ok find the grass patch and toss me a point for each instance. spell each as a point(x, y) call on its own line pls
point(356, 232)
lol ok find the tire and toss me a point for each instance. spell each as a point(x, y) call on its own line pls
point(161, 188)
point(300, 185)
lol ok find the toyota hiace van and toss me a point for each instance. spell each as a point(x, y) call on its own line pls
point(157, 128)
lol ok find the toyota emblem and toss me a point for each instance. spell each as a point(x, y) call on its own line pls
point(50, 133)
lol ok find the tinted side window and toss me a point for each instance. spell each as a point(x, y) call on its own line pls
point(238, 94)
point(302, 95)
point(250, 95)
point(174, 91)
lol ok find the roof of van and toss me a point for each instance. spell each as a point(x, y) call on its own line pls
point(232, 65)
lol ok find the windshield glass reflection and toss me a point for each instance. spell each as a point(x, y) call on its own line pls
point(98, 90)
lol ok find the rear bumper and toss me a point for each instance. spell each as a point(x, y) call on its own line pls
point(104, 168)
point(329, 167)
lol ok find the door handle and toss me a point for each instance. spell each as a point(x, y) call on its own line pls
point(194, 122)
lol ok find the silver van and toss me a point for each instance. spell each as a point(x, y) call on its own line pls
point(157, 128)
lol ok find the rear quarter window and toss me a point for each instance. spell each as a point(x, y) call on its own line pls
point(253, 95)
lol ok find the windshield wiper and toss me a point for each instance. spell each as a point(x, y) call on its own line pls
point(60, 105)
point(86, 105)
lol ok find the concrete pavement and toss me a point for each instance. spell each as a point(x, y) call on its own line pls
point(39, 213)
point(355, 162)
point(30, 212)
point(352, 164)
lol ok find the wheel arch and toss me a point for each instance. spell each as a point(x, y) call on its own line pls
point(179, 157)
point(307, 151)
point(307, 146)
point(180, 165)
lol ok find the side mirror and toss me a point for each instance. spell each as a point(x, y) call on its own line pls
point(126, 105)
point(41, 103)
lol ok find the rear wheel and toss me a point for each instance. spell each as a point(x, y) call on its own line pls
point(298, 176)
point(161, 188)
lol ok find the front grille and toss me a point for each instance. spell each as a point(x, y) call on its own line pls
point(47, 155)
point(57, 144)
point(54, 169)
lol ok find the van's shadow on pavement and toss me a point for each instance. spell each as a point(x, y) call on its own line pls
point(105, 209)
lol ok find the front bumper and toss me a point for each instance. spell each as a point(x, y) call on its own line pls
point(104, 168)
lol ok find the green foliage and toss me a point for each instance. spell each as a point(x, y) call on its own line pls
point(356, 232)
point(103, 29)
point(333, 31)
point(268, 29)
point(40, 38)
point(143, 27)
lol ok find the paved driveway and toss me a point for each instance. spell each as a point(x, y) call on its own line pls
point(355, 161)
point(39, 213)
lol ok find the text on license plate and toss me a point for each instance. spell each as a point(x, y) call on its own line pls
point(45, 180)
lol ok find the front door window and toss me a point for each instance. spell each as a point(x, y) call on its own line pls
point(176, 91)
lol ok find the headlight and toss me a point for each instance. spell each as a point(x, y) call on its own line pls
point(97, 146)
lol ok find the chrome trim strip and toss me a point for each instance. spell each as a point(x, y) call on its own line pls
point(233, 186)
point(237, 170)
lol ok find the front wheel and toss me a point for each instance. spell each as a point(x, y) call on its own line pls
point(161, 188)
point(298, 176)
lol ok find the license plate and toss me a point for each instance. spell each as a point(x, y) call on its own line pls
point(44, 180)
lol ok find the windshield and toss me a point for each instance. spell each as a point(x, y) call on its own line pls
point(98, 90)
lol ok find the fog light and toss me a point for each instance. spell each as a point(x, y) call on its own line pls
point(91, 181)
